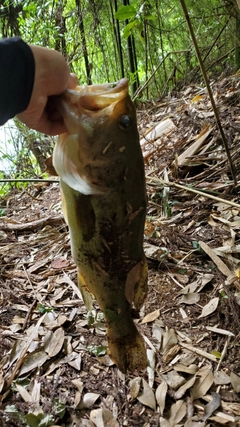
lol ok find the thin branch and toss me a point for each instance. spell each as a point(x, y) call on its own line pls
point(33, 225)
point(28, 180)
point(152, 180)
point(141, 88)
point(232, 169)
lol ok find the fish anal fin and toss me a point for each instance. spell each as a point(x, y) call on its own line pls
point(136, 284)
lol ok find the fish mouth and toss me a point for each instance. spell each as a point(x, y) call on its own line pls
point(89, 100)
point(81, 156)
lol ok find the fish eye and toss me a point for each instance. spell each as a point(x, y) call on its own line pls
point(125, 121)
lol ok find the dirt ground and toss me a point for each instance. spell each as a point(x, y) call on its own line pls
point(54, 368)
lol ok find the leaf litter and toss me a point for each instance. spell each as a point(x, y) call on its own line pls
point(54, 366)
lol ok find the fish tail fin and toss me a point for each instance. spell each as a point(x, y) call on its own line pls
point(87, 296)
point(128, 352)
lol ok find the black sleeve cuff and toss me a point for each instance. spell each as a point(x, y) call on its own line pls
point(17, 71)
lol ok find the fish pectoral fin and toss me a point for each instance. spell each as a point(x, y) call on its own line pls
point(136, 284)
point(141, 286)
point(87, 296)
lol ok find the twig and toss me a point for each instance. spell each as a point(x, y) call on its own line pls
point(192, 190)
point(223, 354)
point(141, 88)
point(29, 314)
point(33, 225)
point(232, 169)
point(22, 355)
point(199, 352)
point(28, 180)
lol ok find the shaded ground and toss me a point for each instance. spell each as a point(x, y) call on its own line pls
point(53, 367)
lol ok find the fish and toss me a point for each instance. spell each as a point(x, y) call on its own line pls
point(101, 169)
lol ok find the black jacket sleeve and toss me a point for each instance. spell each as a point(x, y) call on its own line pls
point(17, 70)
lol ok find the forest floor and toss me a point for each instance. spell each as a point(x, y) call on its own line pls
point(54, 370)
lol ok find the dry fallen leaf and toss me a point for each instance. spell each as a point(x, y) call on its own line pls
point(191, 422)
point(35, 391)
point(24, 393)
point(134, 387)
point(147, 396)
point(88, 400)
point(215, 258)
point(151, 357)
point(161, 393)
point(180, 367)
point(223, 419)
point(169, 340)
point(182, 390)
point(60, 263)
point(203, 383)
point(103, 417)
point(164, 423)
point(84, 422)
point(220, 378)
point(79, 385)
point(157, 332)
point(235, 380)
point(173, 379)
point(33, 361)
point(1, 381)
point(190, 298)
point(197, 285)
point(209, 308)
point(171, 353)
point(185, 157)
point(177, 412)
point(133, 277)
point(56, 342)
point(219, 331)
point(150, 317)
point(75, 360)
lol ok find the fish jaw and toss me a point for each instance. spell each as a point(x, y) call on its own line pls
point(87, 154)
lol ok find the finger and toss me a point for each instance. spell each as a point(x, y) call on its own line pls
point(73, 81)
point(50, 127)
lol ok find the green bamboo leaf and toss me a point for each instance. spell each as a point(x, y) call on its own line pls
point(125, 12)
point(150, 17)
point(128, 29)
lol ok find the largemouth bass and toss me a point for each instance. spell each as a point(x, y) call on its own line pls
point(100, 165)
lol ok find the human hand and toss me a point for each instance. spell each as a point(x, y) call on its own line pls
point(52, 77)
